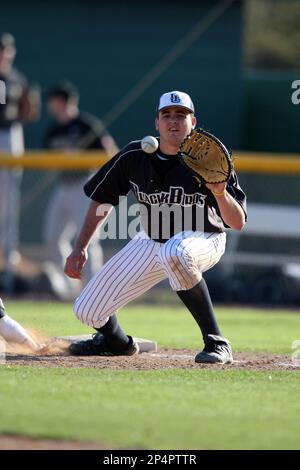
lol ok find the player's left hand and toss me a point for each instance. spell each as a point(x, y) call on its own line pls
point(75, 263)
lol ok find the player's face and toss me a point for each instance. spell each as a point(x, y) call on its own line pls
point(173, 125)
point(7, 54)
point(56, 107)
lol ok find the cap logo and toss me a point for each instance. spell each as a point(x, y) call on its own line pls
point(175, 98)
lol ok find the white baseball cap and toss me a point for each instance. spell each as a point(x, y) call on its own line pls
point(176, 98)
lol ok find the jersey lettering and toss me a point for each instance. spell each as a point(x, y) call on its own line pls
point(176, 195)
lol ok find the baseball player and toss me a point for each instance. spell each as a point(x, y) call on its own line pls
point(12, 332)
point(157, 180)
point(21, 105)
point(72, 130)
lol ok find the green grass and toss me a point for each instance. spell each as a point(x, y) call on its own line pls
point(248, 329)
point(161, 409)
point(167, 409)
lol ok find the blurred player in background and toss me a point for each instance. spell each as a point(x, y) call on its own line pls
point(22, 104)
point(12, 332)
point(73, 130)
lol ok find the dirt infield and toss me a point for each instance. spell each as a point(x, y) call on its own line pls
point(162, 359)
point(27, 443)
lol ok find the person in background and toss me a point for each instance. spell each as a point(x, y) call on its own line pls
point(73, 130)
point(21, 104)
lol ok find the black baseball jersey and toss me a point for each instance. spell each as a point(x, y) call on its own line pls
point(15, 86)
point(159, 180)
point(83, 132)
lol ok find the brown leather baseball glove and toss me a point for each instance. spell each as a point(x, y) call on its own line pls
point(206, 157)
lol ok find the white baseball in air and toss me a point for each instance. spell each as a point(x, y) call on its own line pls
point(149, 144)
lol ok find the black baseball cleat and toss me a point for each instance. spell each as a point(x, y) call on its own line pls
point(216, 350)
point(97, 346)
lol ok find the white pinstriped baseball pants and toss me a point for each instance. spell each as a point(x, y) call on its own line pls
point(140, 265)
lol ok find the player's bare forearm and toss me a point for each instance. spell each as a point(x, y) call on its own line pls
point(78, 257)
point(231, 211)
point(93, 220)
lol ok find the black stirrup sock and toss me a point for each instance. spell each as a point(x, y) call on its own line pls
point(115, 337)
point(198, 301)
